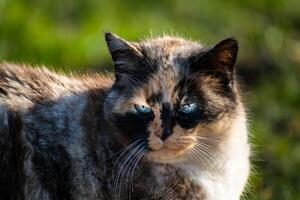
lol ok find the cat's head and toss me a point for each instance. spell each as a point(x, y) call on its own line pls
point(172, 96)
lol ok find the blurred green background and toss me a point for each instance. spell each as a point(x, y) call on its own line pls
point(68, 35)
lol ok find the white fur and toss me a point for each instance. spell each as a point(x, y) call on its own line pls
point(227, 178)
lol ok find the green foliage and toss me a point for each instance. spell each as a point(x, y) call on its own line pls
point(69, 35)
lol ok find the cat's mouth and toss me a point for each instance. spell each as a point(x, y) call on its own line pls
point(172, 150)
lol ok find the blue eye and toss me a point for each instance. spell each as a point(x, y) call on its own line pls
point(142, 109)
point(189, 108)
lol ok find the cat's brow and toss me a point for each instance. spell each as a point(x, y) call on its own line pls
point(155, 98)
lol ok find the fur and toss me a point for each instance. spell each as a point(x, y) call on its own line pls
point(81, 137)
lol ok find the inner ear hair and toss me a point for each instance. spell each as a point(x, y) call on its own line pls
point(225, 53)
point(219, 59)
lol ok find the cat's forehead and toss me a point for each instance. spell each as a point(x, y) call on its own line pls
point(169, 56)
point(161, 86)
point(169, 48)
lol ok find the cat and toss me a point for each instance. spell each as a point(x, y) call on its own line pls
point(169, 123)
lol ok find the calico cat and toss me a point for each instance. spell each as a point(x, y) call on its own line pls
point(170, 124)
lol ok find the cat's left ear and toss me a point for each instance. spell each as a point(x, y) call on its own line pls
point(124, 54)
point(219, 60)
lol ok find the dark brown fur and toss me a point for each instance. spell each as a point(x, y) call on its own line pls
point(80, 137)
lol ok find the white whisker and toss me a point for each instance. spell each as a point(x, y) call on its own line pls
point(199, 158)
point(123, 167)
point(126, 163)
point(124, 151)
point(139, 155)
point(203, 153)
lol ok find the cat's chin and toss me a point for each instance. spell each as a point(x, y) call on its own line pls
point(166, 155)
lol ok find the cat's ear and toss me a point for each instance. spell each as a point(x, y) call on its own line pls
point(218, 60)
point(124, 54)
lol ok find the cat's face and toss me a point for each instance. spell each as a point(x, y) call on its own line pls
point(172, 96)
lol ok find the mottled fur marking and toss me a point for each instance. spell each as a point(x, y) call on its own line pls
point(81, 137)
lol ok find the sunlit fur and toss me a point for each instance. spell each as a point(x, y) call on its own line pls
point(81, 137)
point(210, 152)
point(180, 144)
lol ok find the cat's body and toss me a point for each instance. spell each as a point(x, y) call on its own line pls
point(60, 137)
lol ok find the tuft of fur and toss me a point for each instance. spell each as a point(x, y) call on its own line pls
point(82, 137)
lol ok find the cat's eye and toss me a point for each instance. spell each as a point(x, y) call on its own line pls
point(142, 109)
point(188, 108)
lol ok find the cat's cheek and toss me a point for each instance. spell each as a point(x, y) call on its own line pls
point(132, 125)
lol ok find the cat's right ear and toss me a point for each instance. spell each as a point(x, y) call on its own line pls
point(124, 54)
